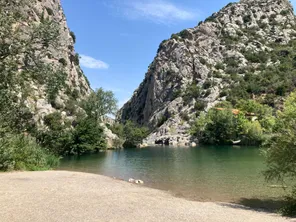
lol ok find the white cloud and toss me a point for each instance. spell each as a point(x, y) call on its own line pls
point(92, 63)
point(158, 11)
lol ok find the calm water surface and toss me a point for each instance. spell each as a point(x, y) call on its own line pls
point(201, 173)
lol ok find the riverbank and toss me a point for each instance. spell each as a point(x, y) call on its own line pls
point(71, 196)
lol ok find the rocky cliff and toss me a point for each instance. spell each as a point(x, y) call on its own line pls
point(39, 67)
point(198, 67)
point(48, 77)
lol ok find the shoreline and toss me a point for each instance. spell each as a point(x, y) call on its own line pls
point(73, 196)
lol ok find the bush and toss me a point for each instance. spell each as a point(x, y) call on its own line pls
point(131, 133)
point(54, 121)
point(219, 66)
point(49, 11)
point(281, 152)
point(247, 19)
point(284, 12)
point(58, 142)
point(184, 34)
point(63, 61)
point(223, 94)
point(88, 137)
point(207, 84)
point(72, 34)
point(192, 91)
point(200, 105)
point(289, 208)
point(162, 120)
point(76, 59)
point(19, 152)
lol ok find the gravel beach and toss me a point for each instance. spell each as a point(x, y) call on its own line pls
point(71, 196)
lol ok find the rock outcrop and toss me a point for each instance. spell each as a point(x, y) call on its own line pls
point(48, 77)
point(63, 55)
point(192, 69)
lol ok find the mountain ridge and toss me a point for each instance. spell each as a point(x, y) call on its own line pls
point(194, 68)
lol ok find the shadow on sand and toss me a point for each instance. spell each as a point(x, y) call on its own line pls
point(256, 204)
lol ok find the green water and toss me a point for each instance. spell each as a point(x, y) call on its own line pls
point(201, 173)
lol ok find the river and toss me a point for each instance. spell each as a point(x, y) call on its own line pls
point(206, 173)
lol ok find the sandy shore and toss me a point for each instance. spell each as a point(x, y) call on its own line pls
point(70, 196)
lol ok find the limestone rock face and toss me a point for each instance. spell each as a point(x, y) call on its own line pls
point(202, 57)
point(59, 84)
point(60, 56)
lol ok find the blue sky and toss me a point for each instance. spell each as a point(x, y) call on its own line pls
point(118, 39)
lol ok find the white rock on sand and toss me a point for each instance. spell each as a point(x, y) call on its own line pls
point(70, 196)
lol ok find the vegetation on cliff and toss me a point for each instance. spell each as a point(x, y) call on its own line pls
point(25, 143)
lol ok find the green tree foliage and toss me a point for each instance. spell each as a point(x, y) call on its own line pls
point(217, 127)
point(281, 151)
point(131, 133)
point(192, 91)
point(19, 152)
point(222, 126)
point(99, 104)
point(88, 137)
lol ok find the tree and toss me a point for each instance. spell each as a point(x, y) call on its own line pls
point(99, 104)
point(281, 151)
point(88, 136)
point(221, 126)
point(133, 134)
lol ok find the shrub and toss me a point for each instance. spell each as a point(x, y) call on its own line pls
point(54, 121)
point(284, 12)
point(221, 126)
point(281, 152)
point(63, 61)
point(219, 66)
point(49, 11)
point(133, 134)
point(207, 84)
point(175, 36)
point(203, 61)
point(289, 208)
point(75, 94)
point(72, 34)
point(76, 59)
point(247, 19)
point(184, 34)
point(184, 116)
point(162, 120)
point(200, 105)
point(192, 91)
point(19, 152)
point(223, 94)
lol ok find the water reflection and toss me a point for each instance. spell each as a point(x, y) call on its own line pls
point(203, 173)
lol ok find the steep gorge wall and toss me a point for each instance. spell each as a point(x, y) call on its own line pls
point(194, 68)
point(59, 81)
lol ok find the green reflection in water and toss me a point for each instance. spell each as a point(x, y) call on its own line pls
point(201, 173)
